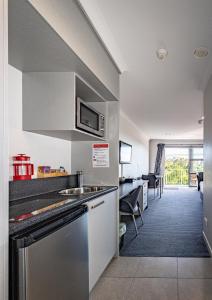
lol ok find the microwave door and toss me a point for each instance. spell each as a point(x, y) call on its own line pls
point(88, 119)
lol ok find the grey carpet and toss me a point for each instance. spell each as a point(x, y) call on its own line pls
point(172, 227)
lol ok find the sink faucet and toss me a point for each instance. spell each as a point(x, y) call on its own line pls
point(80, 178)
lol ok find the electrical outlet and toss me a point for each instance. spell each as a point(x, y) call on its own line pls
point(206, 221)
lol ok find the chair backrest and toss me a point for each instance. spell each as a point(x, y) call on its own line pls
point(200, 176)
point(145, 177)
point(152, 178)
point(135, 195)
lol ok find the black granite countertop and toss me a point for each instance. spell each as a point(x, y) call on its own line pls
point(27, 205)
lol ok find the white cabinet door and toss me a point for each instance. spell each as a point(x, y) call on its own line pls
point(145, 195)
point(102, 234)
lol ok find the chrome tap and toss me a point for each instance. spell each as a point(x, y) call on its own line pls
point(80, 178)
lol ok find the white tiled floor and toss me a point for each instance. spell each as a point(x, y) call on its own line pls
point(195, 268)
point(155, 278)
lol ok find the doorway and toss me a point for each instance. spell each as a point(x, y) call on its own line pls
point(173, 224)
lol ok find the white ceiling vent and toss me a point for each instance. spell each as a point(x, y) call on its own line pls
point(200, 52)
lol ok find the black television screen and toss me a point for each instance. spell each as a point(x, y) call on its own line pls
point(125, 153)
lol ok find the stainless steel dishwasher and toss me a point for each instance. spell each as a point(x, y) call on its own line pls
point(51, 261)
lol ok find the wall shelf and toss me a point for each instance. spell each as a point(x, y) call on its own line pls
point(86, 91)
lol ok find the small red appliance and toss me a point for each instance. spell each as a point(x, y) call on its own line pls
point(22, 168)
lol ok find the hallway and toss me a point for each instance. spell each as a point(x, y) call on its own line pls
point(156, 278)
point(172, 227)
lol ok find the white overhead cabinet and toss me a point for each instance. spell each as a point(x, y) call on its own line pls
point(49, 104)
point(102, 234)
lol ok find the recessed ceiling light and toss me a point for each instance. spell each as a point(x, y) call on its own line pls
point(200, 52)
point(161, 53)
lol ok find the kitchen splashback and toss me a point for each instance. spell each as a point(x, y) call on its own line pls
point(27, 188)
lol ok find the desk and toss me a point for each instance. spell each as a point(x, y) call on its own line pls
point(126, 188)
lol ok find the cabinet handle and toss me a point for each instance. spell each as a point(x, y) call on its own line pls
point(98, 204)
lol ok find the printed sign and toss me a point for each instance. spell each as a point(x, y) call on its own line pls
point(100, 155)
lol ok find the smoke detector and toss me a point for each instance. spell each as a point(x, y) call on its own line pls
point(200, 52)
point(161, 53)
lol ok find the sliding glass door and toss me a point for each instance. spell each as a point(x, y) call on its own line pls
point(176, 166)
point(182, 165)
point(195, 164)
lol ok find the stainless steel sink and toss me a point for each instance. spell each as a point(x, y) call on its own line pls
point(82, 190)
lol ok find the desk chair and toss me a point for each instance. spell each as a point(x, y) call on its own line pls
point(199, 179)
point(153, 182)
point(129, 205)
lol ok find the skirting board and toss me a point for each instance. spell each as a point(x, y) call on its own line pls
point(207, 243)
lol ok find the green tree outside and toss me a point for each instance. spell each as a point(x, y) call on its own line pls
point(176, 171)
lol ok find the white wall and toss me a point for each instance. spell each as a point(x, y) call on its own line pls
point(82, 153)
point(153, 149)
point(130, 134)
point(207, 203)
point(43, 150)
point(3, 153)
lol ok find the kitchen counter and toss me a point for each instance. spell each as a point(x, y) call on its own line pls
point(126, 188)
point(27, 205)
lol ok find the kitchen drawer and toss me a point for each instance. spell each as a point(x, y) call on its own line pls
point(144, 205)
point(145, 185)
point(145, 196)
point(145, 200)
point(145, 189)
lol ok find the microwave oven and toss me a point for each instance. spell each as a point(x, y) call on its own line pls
point(89, 119)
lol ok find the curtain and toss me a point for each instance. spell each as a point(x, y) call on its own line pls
point(159, 157)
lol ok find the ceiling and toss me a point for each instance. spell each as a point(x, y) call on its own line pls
point(164, 99)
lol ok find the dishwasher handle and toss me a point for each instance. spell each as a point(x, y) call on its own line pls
point(97, 205)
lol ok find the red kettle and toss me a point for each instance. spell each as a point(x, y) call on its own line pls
point(22, 168)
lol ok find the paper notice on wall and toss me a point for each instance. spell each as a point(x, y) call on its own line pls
point(100, 155)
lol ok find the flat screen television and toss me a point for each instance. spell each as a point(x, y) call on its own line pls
point(125, 153)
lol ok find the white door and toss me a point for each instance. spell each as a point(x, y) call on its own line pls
point(102, 234)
